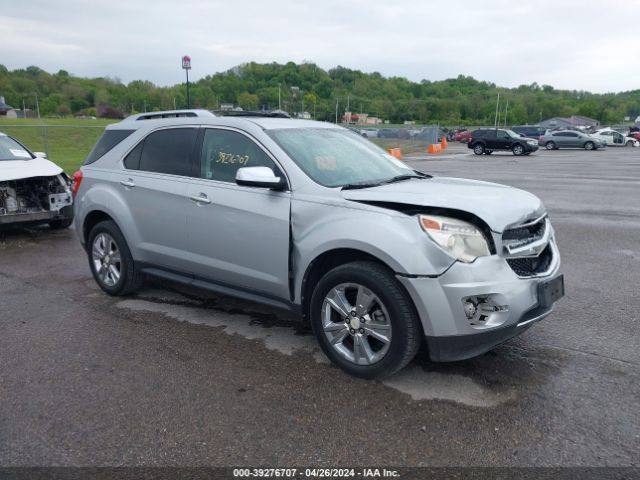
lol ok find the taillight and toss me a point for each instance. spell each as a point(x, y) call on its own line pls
point(77, 179)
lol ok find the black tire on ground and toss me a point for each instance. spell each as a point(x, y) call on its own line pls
point(406, 330)
point(130, 278)
point(550, 146)
point(589, 146)
point(478, 149)
point(517, 149)
point(65, 222)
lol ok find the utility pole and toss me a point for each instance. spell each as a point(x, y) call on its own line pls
point(495, 123)
point(279, 103)
point(44, 127)
point(336, 111)
point(506, 111)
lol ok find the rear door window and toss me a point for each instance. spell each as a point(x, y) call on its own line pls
point(166, 151)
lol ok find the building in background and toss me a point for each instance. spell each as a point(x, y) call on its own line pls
point(575, 121)
point(4, 108)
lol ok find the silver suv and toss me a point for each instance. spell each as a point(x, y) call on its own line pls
point(312, 217)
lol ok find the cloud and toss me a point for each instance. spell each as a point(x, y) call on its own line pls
point(572, 44)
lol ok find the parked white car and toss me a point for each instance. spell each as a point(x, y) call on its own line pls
point(614, 138)
point(33, 189)
point(369, 132)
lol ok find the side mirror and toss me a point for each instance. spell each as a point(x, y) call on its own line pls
point(40, 154)
point(261, 177)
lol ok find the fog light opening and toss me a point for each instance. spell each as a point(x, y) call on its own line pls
point(484, 311)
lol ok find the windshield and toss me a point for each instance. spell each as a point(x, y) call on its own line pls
point(12, 150)
point(336, 157)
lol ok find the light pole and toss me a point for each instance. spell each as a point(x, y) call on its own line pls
point(186, 66)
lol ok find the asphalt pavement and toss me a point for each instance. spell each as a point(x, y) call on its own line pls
point(175, 376)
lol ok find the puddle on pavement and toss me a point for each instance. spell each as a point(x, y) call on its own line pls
point(415, 380)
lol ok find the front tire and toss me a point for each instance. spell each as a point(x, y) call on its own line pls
point(364, 320)
point(629, 144)
point(517, 149)
point(589, 146)
point(478, 149)
point(110, 260)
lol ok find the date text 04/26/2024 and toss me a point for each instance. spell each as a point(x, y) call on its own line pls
point(315, 473)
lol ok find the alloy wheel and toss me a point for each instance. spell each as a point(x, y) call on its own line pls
point(106, 258)
point(356, 323)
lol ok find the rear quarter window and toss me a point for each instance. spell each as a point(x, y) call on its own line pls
point(108, 140)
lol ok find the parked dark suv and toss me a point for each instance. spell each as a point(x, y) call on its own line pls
point(488, 140)
point(530, 131)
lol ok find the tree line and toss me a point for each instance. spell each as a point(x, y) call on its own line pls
point(308, 88)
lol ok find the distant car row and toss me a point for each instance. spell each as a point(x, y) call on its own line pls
point(424, 133)
point(563, 138)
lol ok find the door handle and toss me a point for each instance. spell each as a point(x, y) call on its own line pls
point(202, 198)
point(127, 183)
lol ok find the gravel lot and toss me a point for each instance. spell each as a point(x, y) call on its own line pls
point(181, 377)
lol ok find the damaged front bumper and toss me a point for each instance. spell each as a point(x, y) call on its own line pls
point(473, 307)
point(35, 200)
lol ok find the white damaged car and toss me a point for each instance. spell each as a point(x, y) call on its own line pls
point(33, 190)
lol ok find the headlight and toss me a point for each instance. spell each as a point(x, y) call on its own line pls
point(460, 239)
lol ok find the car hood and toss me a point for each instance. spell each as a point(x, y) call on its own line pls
point(35, 167)
point(499, 206)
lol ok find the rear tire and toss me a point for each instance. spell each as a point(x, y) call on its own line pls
point(550, 146)
point(110, 260)
point(478, 149)
point(364, 320)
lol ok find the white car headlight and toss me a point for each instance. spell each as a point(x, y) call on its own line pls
point(458, 238)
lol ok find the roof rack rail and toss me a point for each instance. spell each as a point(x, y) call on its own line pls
point(249, 113)
point(169, 114)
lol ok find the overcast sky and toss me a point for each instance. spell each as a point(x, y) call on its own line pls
point(583, 45)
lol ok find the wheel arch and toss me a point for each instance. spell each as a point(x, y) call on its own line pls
point(328, 260)
point(91, 220)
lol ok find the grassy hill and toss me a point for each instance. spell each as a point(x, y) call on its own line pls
point(67, 141)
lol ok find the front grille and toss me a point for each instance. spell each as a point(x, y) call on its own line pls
point(532, 266)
